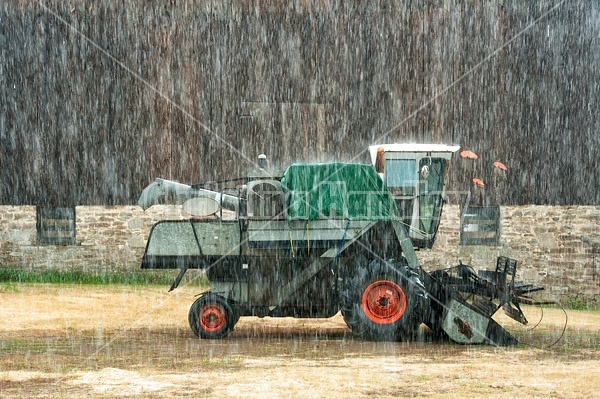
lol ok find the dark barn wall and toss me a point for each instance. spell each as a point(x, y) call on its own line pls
point(97, 98)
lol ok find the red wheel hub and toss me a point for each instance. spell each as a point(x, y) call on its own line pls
point(384, 302)
point(212, 318)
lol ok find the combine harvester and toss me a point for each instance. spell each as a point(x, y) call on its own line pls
point(320, 238)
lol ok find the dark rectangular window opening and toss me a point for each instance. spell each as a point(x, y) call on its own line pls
point(480, 225)
point(55, 225)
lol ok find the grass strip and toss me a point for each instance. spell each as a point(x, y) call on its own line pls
point(81, 277)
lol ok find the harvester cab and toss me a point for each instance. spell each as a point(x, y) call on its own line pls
point(318, 239)
point(415, 175)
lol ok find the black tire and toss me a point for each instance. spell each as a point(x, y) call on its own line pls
point(382, 301)
point(211, 317)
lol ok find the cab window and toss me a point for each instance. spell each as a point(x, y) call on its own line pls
point(401, 176)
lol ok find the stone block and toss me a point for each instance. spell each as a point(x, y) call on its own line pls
point(135, 223)
point(136, 242)
point(547, 241)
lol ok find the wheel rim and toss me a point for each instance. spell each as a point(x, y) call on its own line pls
point(384, 302)
point(212, 318)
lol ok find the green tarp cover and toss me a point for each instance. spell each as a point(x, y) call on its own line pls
point(336, 190)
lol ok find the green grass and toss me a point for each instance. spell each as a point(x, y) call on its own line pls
point(9, 287)
point(577, 303)
point(9, 276)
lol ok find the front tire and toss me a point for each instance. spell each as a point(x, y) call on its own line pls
point(211, 317)
point(382, 301)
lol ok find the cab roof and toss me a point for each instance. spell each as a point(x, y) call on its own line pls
point(412, 147)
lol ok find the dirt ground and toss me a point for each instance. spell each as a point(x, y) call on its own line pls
point(61, 341)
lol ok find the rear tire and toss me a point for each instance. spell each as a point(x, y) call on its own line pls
point(211, 317)
point(382, 301)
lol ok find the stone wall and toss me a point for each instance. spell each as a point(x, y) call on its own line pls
point(108, 238)
point(546, 240)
